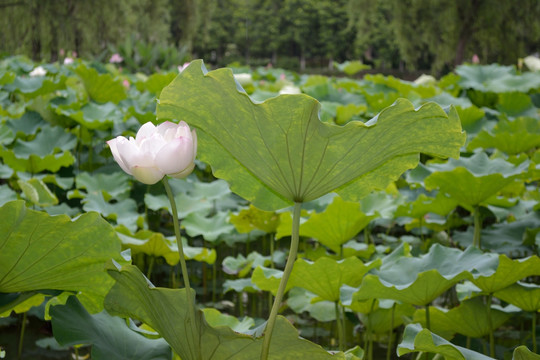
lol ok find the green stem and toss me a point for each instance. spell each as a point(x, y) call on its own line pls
point(490, 326)
point(272, 250)
point(389, 350)
point(533, 330)
point(185, 276)
point(21, 336)
point(340, 329)
point(150, 267)
point(477, 226)
point(283, 283)
point(428, 322)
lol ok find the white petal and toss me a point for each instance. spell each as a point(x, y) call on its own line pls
point(145, 131)
point(175, 156)
point(164, 127)
point(114, 150)
point(132, 156)
point(147, 175)
point(184, 173)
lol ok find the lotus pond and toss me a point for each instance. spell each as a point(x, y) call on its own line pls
point(410, 211)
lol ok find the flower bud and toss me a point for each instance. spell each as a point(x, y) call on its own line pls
point(156, 151)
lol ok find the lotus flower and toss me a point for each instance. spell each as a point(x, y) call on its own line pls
point(38, 71)
point(156, 151)
point(116, 59)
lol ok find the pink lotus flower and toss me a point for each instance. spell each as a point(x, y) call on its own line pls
point(183, 67)
point(156, 151)
point(68, 61)
point(475, 59)
point(116, 59)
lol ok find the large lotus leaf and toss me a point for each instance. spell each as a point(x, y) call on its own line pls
point(515, 104)
point(40, 252)
point(35, 86)
point(37, 192)
point(512, 137)
point(110, 336)
point(419, 280)
point(268, 279)
point(114, 185)
point(404, 88)
point(252, 218)
point(441, 204)
point(241, 285)
point(300, 300)
point(6, 135)
point(339, 223)
point(49, 150)
point(27, 125)
point(210, 228)
point(496, 78)
point(278, 152)
point(166, 311)
point(92, 115)
point(325, 276)
point(458, 319)
point(185, 204)
point(522, 353)
point(473, 180)
point(507, 238)
point(124, 212)
point(415, 339)
point(523, 295)
point(155, 244)
point(6, 194)
point(101, 87)
point(387, 316)
point(508, 272)
point(156, 82)
point(214, 318)
point(242, 266)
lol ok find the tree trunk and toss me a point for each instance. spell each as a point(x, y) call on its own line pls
point(36, 33)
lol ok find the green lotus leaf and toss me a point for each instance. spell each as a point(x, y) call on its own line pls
point(7, 77)
point(242, 266)
point(339, 223)
point(92, 115)
point(278, 152)
point(419, 280)
point(48, 151)
point(133, 296)
point(508, 272)
point(268, 279)
point(124, 212)
point(115, 185)
point(473, 180)
point(186, 204)
point(380, 319)
point(6, 194)
point(512, 137)
point(214, 318)
point(19, 302)
point(6, 135)
point(252, 218)
point(441, 204)
point(155, 244)
point(405, 89)
point(524, 296)
point(101, 87)
point(37, 192)
point(325, 276)
point(156, 82)
point(300, 300)
point(27, 125)
point(522, 353)
point(458, 320)
point(210, 228)
point(32, 87)
point(416, 339)
point(42, 252)
point(241, 285)
point(110, 336)
point(496, 78)
point(515, 104)
point(351, 67)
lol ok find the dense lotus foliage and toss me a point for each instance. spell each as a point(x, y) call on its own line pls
point(442, 259)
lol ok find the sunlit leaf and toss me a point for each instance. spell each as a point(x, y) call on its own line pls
point(53, 252)
point(133, 296)
point(252, 218)
point(101, 87)
point(508, 272)
point(416, 339)
point(325, 276)
point(210, 228)
point(522, 353)
point(109, 336)
point(214, 318)
point(278, 152)
point(523, 295)
point(37, 192)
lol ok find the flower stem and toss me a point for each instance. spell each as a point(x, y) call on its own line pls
point(283, 283)
point(490, 325)
point(533, 331)
point(477, 226)
point(185, 276)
